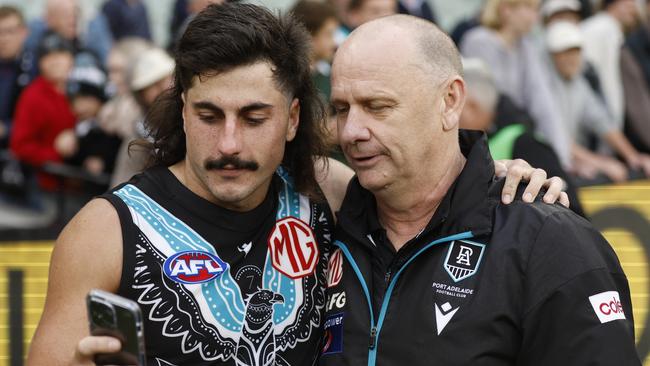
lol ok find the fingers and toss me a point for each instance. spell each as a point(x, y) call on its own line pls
point(88, 347)
point(537, 180)
point(564, 199)
point(554, 187)
point(517, 171)
point(500, 168)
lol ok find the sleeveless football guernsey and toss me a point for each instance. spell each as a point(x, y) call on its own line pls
point(219, 287)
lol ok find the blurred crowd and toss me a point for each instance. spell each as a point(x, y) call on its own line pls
point(564, 84)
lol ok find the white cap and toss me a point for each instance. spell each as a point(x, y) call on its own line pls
point(561, 36)
point(551, 7)
point(150, 67)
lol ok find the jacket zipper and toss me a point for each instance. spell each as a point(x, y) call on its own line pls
point(375, 328)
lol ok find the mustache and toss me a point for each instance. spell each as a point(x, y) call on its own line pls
point(231, 160)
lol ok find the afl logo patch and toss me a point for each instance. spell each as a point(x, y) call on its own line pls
point(293, 248)
point(192, 267)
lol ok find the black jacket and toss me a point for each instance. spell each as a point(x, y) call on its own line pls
point(482, 284)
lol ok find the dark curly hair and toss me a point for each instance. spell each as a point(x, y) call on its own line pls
point(221, 38)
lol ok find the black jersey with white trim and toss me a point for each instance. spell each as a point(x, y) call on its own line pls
point(219, 287)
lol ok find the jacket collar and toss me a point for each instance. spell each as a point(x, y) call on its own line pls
point(467, 206)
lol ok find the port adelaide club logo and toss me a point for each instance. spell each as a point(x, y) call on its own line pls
point(191, 267)
point(463, 259)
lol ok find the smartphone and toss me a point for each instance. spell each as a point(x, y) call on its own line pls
point(119, 317)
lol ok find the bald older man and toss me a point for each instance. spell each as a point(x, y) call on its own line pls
point(92, 41)
point(431, 269)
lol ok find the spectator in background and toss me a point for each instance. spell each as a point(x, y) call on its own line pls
point(569, 11)
point(97, 149)
point(43, 119)
point(193, 7)
point(635, 68)
point(418, 8)
point(179, 14)
point(120, 115)
point(503, 42)
point(127, 18)
point(15, 65)
point(62, 18)
point(514, 140)
point(320, 20)
point(638, 42)
point(582, 111)
point(603, 38)
point(353, 13)
point(362, 11)
point(150, 77)
point(560, 10)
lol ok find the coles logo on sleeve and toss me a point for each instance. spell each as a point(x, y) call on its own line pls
point(193, 267)
point(607, 306)
point(293, 248)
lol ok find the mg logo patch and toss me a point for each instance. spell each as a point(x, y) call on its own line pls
point(463, 259)
point(335, 269)
point(293, 248)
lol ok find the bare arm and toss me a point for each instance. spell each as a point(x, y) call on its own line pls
point(587, 161)
point(333, 179)
point(87, 254)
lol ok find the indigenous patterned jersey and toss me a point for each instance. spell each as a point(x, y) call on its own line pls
point(219, 287)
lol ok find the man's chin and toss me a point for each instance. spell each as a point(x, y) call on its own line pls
point(372, 182)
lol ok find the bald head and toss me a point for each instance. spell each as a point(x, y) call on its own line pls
point(61, 16)
point(428, 47)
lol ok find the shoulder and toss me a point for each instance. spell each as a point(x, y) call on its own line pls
point(555, 245)
point(31, 91)
point(553, 233)
point(599, 25)
point(95, 235)
point(479, 33)
point(333, 178)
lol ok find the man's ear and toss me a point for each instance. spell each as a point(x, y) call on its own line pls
point(184, 110)
point(294, 119)
point(453, 101)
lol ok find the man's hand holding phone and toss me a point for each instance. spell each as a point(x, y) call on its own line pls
point(116, 331)
point(90, 346)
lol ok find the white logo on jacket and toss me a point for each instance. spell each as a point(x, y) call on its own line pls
point(444, 314)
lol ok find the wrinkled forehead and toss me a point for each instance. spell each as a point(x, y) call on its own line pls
point(387, 52)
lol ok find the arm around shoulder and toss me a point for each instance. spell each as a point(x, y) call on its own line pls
point(87, 255)
point(333, 178)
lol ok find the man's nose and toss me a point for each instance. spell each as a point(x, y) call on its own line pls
point(353, 127)
point(230, 137)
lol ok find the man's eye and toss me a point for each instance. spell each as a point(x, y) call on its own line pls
point(377, 108)
point(208, 118)
point(341, 109)
point(255, 121)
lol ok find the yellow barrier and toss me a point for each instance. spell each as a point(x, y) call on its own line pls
point(622, 212)
point(32, 258)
